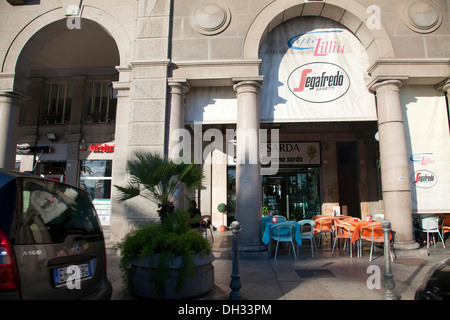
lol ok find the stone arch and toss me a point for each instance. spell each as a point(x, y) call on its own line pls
point(17, 62)
point(349, 13)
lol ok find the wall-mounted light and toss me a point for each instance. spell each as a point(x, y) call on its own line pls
point(51, 136)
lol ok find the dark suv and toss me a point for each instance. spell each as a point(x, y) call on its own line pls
point(51, 242)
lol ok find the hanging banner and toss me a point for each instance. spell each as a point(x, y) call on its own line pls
point(314, 70)
point(428, 144)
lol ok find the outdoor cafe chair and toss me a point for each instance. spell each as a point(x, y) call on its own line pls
point(308, 234)
point(205, 224)
point(430, 225)
point(343, 230)
point(323, 225)
point(375, 234)
point(446, 225)
point(283, 232)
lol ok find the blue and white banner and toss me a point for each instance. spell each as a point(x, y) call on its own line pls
point(314, 70)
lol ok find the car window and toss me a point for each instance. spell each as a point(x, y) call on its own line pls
point(49, 211)
point(7, 200)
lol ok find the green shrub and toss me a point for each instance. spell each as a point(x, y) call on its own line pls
point(171, 239)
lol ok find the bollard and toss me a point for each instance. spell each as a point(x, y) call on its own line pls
point(235, 283)
point(388, 277)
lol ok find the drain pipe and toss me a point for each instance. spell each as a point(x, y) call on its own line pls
point(235, 283)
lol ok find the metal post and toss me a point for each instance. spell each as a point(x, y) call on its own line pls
point(235, 283)
point(388, 277)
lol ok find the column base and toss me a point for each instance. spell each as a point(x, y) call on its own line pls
point(409, 249)
point(253, 252)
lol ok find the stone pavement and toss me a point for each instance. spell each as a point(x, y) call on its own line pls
point(322, 277)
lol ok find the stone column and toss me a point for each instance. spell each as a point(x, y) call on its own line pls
point(9, 121)
point(72, 162)
point(248, 168)
point(177, 120)
point(178, 89)
point(395, 183)
point(119, 225)
point(446, 89)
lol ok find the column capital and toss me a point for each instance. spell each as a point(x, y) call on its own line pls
point(178, 85)
point(248, 84)
point(12, 97)
point(387, 85)
point(446, 86)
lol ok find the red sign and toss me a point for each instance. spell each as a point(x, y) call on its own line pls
point(101, 148)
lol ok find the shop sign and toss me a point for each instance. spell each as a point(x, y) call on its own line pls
point(424, 179)
point(102, 148)
point(319, 82)
point(306, 153)
point(318, 42)
point(423, 158)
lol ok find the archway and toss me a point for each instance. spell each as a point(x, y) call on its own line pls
point(351, 14)
point(56, 51)
point(55, 23)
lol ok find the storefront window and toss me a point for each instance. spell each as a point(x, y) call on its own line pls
point(95, 179)
point(54, 170)
point(56, 103)
point(231, 195)
point(100, 102)
point(293, 193)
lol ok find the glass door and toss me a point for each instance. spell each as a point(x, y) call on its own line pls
point(303, 194)
point(293, 193)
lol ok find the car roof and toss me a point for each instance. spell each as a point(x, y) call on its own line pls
point(9, 175)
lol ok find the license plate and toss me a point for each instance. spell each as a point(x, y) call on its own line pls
point(61, 275)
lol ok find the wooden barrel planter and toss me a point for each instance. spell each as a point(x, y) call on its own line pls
point(196, 285)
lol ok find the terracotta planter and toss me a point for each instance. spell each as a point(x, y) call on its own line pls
point(201, 283)
point(223, 228)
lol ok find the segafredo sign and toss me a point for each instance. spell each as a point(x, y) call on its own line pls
point(319, 82)
point(314, 70)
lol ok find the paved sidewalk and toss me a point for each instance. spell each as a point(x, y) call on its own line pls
point(322, 277)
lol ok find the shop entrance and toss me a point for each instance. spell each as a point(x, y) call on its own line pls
point(348, 179)
point(293, 193)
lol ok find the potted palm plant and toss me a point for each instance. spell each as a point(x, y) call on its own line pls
point(166, 259)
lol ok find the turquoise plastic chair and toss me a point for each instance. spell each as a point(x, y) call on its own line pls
point(283, 232)
point(309, 234)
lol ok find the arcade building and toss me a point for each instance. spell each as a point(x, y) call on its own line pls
point(354, 91)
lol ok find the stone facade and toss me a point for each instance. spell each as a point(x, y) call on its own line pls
point(155, 53)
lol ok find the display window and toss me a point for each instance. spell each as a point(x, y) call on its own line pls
point(95, 179)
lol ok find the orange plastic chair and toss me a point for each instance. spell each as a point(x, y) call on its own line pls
point(323, 225)
point(343, 230)
point(373, 233)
